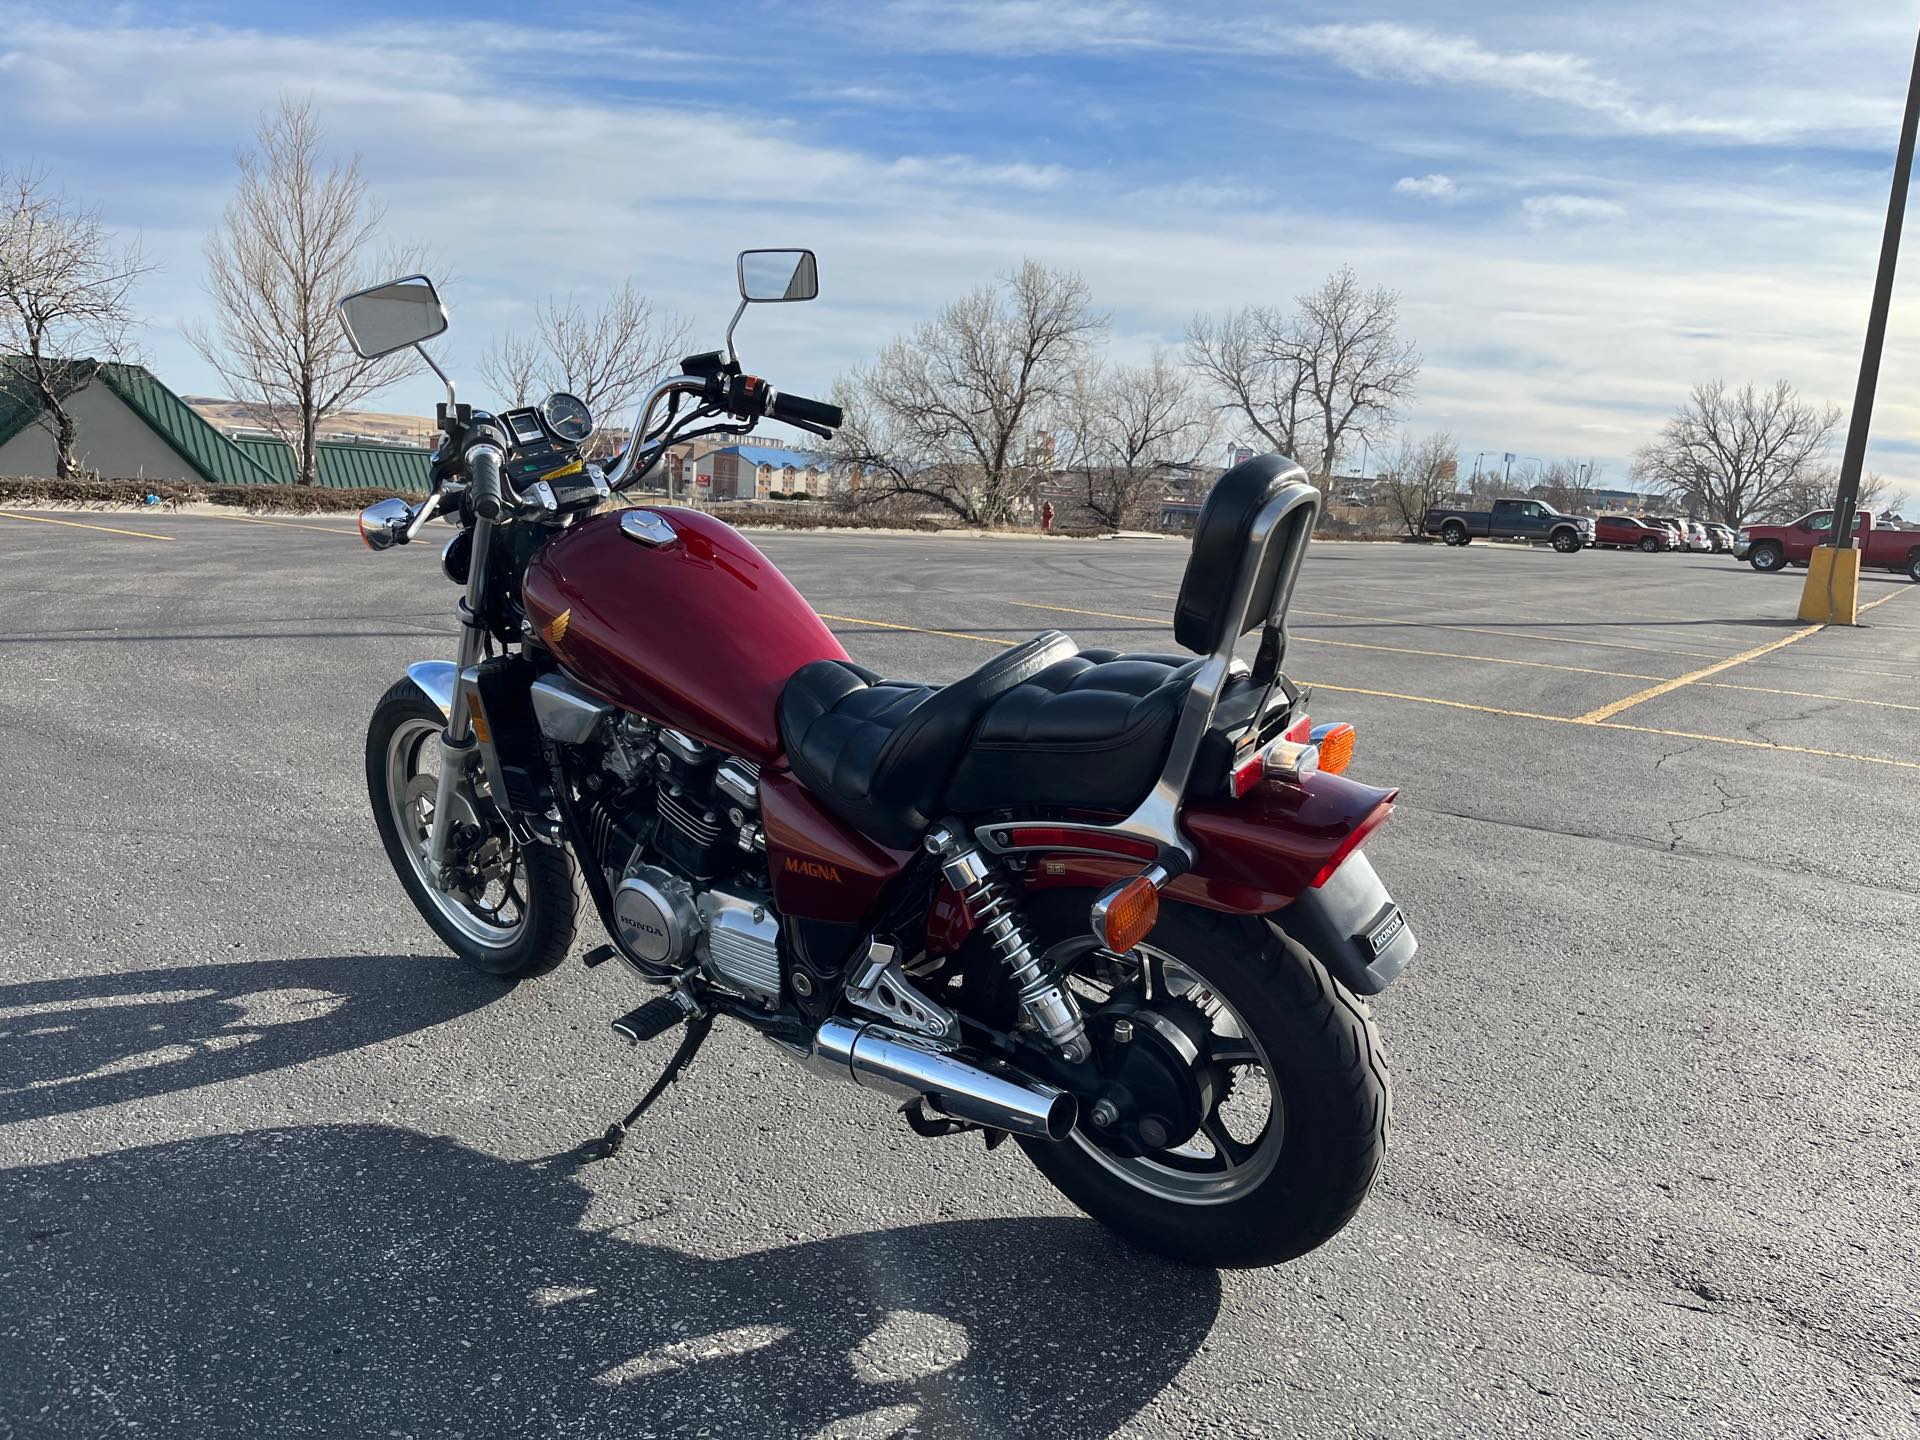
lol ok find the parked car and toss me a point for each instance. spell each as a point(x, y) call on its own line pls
point(1625, 532)
point(1722, 536)
point(1697, 536)
point(1514, 519)
point(1774, 547)
point(1676, 527)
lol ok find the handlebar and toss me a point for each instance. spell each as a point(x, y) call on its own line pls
point(483, 479)
point(799, 410)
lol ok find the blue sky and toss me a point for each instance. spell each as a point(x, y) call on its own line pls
point(1585, 208)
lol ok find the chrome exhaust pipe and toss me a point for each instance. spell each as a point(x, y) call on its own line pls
point(963, 1084)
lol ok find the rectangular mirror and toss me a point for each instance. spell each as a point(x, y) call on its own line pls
point(389, 317)
point(774, 276)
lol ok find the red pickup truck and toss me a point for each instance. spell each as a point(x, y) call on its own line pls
point(1774, 547)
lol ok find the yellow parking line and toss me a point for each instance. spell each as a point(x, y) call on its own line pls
point(916, 629)
point(1667, 687)
point(353, 534)
point(1622, 725)
point(1501, 634)
point(1363, 645)
point(82, 525)
point(1807, 695)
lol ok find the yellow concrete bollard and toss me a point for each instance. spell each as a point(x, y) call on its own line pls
point(1832, 593)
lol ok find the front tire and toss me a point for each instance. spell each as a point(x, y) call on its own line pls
point(1566, 542)
point(1650, 545)
point(512, 914)
point(1766, 558)
point(1913, 567)
point(1310, 1044)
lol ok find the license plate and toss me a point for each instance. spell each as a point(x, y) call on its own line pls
point(1386, 932)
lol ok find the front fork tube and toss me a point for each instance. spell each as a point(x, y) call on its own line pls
point(456, 741)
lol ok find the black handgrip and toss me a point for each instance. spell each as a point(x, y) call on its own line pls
point(483, 480)
point(797, 409)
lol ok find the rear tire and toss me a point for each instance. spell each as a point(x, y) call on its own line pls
point(1913, 567)
point(1766, 558)
point(1329, 1094)
point(1454, 533)
point(536, 930)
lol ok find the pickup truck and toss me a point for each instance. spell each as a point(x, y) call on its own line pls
point(1512, 520)
point(1774, 547)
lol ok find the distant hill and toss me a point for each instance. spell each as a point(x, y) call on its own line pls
point(230, 417)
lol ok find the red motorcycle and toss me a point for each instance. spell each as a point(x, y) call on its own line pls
point(1112, 905)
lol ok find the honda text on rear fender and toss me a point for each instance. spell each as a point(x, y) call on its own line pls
point(1112, 905)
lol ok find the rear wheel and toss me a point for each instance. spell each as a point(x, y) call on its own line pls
point(1454, 533)
point(509, 909)
point(1244, 1104)
point(1766, 558)
point(1913, 567)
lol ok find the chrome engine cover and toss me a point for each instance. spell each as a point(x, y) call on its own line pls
point(742, 943)
point(656, 914)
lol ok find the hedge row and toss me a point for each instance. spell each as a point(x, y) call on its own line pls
point(111, 494)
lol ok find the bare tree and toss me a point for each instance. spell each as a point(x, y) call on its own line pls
point(1564, 484)
point(1816, 488)
point(607, 356)
point(954, 413)
point(1246, 359)
point(1733, 454)
point(299, 234)
point(1311, 383)
point(65, 305)
point(1124, 428)
point(1419, 475)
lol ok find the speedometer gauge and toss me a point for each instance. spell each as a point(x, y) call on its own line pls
point(568, 417)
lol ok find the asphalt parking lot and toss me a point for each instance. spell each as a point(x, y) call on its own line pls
point(274, 1165)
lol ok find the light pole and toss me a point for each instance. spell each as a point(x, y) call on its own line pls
point(1832, 567)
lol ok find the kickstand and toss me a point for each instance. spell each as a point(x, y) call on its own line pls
point(605, 1147)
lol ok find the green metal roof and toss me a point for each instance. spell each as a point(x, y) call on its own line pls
point(213, 457)
point(271, 456)
point(343, 465)
point(218, 459)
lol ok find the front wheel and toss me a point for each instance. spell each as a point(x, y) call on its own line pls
point(1913, 567)
point(1245, 1114)
point(1766, 558)
point(1565, 541)
point(509, 908)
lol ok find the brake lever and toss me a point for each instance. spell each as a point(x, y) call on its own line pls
point(822, 431)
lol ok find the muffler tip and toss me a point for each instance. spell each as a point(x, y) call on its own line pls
point(1062, 1115)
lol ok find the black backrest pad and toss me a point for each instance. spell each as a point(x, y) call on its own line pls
point(1202, 620)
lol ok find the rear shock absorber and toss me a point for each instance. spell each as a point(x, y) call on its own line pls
point(1044, 1001)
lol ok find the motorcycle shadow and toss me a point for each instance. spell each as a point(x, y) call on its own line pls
point(362, 1279)
point(69, 1044)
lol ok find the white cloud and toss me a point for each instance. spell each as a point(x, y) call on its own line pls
point(1427, 187)
point(1571, 209)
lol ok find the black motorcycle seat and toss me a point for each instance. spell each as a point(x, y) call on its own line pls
point(1091, 731)
point(880, 752)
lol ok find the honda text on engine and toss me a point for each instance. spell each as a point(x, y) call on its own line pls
point(1111, 905)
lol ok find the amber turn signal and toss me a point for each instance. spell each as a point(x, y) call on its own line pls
point(1125, 914)
point(1336, 747)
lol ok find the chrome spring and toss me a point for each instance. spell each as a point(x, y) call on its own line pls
point(1043, 1000)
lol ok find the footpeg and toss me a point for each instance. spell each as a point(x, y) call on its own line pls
point(656, 1017)
point(599, 955)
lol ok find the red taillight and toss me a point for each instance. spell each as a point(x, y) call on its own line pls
point(1059, 837)
point(1356, 837)
point(1300, 731)
point(1248, 773)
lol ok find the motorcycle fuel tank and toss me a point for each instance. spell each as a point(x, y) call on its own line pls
point(674, 614)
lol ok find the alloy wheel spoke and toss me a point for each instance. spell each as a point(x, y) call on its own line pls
point(1232, 1152)
point(1232, 1050)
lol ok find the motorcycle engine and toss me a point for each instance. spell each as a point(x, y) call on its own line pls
point(667, 907)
